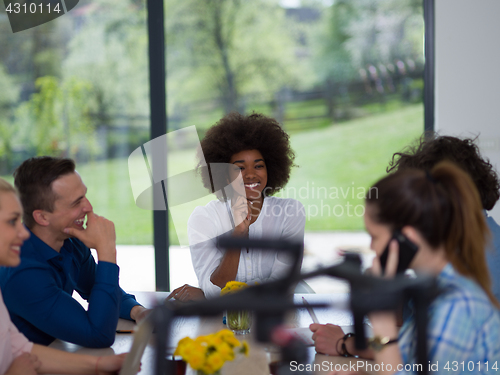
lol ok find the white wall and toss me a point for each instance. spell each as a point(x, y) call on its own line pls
point(468, 73)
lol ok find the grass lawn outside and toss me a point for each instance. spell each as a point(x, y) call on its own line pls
point(336, 165)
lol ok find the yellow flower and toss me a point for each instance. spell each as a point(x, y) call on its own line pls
point(186, 349)
point(225, 351)
point(233, 286)
point(245, 348)
point(223, 333)
point(214, 340)
point(215, 361)
point(197, 348)
point(196, 360)
point(201, 340)
point(209, 353)
point(182, 344)
point(232, 341)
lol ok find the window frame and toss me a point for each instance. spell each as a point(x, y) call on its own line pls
point(159, 125)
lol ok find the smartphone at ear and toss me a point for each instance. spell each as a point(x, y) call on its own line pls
point(407, 251)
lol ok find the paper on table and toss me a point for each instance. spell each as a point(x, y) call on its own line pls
point(337, 313)
point(304, 334)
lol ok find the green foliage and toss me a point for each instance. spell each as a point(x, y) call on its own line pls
point(56, 118)
point(353, 154)
point(228, 48)
point(386, 30)
point(6, 133)
point(109, 50)
point(45, 108)
point(333, 60)
point(80, 73)
point(9, 92)
point(33, 53)
point(110, 193)
point(357, 33)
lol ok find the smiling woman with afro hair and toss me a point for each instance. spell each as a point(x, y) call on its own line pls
point(235, 133)
point(256, 149)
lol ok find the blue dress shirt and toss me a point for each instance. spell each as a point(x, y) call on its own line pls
point(38, 295)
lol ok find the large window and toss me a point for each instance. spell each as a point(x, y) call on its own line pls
point(78, 86)
point(344, 77)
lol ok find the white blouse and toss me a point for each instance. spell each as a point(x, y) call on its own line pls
point(279, 218)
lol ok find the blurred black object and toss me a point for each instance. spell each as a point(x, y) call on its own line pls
point(271, 300)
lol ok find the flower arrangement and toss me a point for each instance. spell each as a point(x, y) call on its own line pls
point(233, 286)
point(239, 321)
point(207, 354)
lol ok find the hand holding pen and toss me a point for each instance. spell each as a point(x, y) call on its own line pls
point(323, 335)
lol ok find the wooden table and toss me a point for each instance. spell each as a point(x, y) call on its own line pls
point(257, 363)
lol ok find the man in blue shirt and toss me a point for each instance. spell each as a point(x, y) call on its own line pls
point(464, 153)
point(56, 260)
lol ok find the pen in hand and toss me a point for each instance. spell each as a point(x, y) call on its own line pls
point(310, 311)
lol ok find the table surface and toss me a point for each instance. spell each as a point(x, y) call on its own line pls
point(257, 363)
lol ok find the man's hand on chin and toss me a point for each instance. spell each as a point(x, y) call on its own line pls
point(99, 234)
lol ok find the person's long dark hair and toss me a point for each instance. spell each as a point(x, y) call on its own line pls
point(444, 206)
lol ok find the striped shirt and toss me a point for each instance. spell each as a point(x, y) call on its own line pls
point(463, 330)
